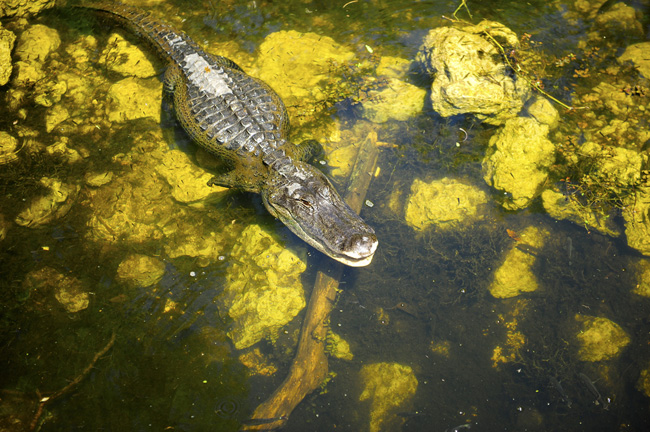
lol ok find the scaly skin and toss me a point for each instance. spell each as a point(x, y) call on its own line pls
point(242, 120)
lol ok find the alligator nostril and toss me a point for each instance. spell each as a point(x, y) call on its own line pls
point(362, 244)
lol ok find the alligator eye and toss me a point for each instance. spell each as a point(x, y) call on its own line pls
point(304, 202)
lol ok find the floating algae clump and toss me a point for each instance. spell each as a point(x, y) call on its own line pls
point(311, 57)
point(133, 98)
point(389, 386)
point(600, 338)
point(468, 75)
point(515, 275)
point(140, 270)
point(263, 291)
point(643, 278)
point(126, 59)
point(559, 207)
point(54, 204)
point(508, 351)
point(68, 291)
point(643, 385)
point(637, 220)
point(338, 347)
point(445, 203)
point(518, 159)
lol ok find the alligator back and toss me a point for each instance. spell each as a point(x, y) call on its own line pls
point(226, 111)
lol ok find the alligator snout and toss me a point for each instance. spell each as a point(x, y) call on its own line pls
point(360, 248)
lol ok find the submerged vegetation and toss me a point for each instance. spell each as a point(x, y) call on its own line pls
point(477, 291)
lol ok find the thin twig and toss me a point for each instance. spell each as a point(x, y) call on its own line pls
point(521, 73)
point(462, 3)
point(45, 400)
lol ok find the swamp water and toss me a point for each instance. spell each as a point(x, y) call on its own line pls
point(123, 275)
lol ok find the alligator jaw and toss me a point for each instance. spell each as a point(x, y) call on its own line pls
point(307, 203)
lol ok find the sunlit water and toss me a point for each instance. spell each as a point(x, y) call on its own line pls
point(423, 290)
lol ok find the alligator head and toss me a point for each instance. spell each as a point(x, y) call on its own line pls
point(306, 202)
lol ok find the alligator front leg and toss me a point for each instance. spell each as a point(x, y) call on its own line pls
point(308, 150)
point(234, 180)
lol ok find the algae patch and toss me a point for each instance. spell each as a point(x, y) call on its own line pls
point(263, 288)
point(389, 387)
point(515, 276)
point(445, 203)
point(600, 339)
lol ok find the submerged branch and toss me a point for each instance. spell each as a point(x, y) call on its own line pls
point(45, 400)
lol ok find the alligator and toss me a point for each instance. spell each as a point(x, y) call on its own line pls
point(242, 121)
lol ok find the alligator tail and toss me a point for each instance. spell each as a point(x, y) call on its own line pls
point(170, 43)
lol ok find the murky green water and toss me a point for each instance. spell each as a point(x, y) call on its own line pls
point(424, 302)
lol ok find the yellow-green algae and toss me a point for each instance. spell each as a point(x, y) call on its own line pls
point(142, 205)
point(56, 116)
point(338, 347)
point(8, 148)
point(445, 203)
point(619, 19)
point(559, 207)
point(54, 204)
point(642, 269)
point(263, 288)
point(639, 55)
point(643, 384)
point(33, 47)
point(21, 8)
point(393, 100)
point(442, 348)
point(68, 290)
point(137, 270)
point(637, 220)
point(615, 164)
point(4, 227)
point(125, 58)
point(136, 206)
point(61, 149)
point(544, 112)
point(257, 363)
point(468, 73)
point(600, 339)
point(7, 40)
point(310, 57)
point(508, 350)
point(518, 159)
point(189, 182)
point(134, 98)
point(515, 275)
point(389, 387)
point(97, 179)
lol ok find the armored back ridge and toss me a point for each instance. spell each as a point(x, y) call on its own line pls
point(242, 120)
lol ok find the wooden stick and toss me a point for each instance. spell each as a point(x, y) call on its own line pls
point(310, 367)
point(45, 400)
